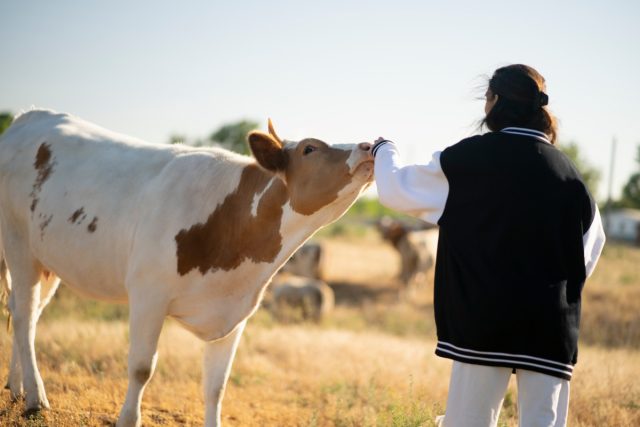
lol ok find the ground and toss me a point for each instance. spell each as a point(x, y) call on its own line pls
point(371, 363)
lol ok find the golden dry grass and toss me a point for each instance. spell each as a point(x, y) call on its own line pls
point(611, 302)
point(292, 376)
point(370, 364)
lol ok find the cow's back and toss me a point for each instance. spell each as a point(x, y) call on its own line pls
point(72, 191)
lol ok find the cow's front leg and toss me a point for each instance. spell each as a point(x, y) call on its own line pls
point(218, 358)
point(145, 324)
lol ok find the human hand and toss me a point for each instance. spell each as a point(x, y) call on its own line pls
point(377, 143)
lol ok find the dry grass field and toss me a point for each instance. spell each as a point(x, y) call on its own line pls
point(370, 364)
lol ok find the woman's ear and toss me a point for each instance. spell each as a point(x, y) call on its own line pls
point(492, 99)
point(268, 151)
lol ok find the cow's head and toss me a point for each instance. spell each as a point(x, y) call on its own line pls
point(391, 230)
point(316, 174)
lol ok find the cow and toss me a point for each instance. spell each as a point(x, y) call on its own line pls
point(417, 249)
point(195, 234)
point(306, 261)
point(313, 299)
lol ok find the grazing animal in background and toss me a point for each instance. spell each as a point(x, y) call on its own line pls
point(417, 249)
point(306, 262)
point(195, 234)
point(291, 295)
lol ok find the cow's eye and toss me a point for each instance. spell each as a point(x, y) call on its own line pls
point(308, 149)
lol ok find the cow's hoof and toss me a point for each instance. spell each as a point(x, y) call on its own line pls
point(34, 406)
point(108, 422)
point(33, 414)
point(16, 388)
point(16, 395)
point(129, 418)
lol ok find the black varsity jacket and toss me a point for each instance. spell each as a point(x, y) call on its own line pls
point(519, 235)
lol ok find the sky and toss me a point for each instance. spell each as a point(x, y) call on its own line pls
point(342, 71)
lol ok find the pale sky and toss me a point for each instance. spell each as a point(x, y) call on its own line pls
point(342, 71)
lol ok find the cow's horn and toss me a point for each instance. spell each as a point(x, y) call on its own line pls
point(273, 133)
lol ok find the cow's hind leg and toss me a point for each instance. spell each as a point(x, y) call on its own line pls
point(14, 383)
point(218, 357)
point(48, 289)
point(145, 324)
point(23, 304)
point(15, 374)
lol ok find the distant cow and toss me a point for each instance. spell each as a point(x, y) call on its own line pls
point(417, 249)
point(191, 233)
point(313, 299)
point(306, 261)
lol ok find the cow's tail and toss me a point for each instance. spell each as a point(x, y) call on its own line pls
point(5, 287)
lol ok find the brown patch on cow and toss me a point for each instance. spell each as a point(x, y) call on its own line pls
point(93, 225)
point(44, 223)
point(44, 165)
point(43, 157)
point(77, 216)
point(316, 179)
point(142, 375)
point(231, 234)
point(34, 203)
point(216, 394)
point(393, 231)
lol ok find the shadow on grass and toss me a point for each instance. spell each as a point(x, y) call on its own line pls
point(355, 294)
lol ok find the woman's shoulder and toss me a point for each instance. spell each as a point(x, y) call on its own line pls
point(496, 138)
point(466, 152)
point(472, 141)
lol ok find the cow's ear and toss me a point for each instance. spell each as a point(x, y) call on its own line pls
point(268, 151)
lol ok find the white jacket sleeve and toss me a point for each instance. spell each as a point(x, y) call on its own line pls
point(593, 241)
point(418, 190)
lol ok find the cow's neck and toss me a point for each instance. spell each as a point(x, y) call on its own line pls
point(297, 227)
point(248, 249)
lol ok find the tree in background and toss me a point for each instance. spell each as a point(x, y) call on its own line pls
point(233, 136)
point(177, 139)
point(5, 120)
point(631, 190)
point(590, 174)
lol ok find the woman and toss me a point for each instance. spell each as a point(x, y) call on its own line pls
point(519, 234)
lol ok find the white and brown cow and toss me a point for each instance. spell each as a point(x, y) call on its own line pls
point(417, 249)
point(307, 261)
point(299, 297)
point(191, 233)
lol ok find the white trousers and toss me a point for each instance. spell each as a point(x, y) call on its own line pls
point(476, 394)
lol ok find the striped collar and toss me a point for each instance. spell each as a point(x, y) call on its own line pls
point(527, 132)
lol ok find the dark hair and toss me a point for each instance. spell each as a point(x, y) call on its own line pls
point(521, 101)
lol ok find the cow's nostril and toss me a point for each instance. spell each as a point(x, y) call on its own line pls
point(365, 146)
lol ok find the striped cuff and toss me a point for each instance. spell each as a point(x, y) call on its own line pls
point(379, 144)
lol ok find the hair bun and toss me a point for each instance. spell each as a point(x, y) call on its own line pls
point(543, 99)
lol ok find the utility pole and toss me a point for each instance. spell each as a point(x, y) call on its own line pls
point(609, 195)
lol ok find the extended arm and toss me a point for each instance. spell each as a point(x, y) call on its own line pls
point(418, 190)
point(593, 241)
